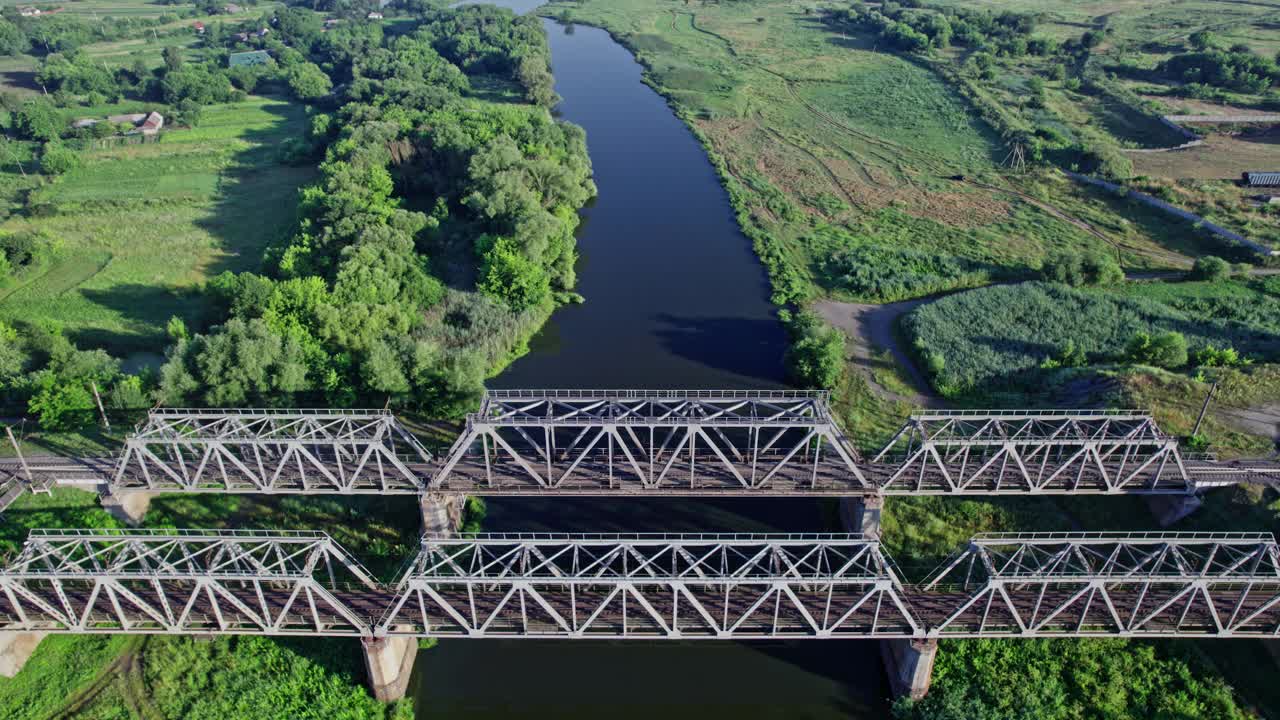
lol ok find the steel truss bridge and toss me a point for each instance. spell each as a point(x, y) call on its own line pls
point(641, 442)
point(643, 587)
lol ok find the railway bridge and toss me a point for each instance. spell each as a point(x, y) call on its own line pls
point(644, 443)
point(636, 444)
point(642, 587)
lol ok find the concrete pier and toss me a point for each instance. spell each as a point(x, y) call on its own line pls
point(1169, 509)
point(441, 514)
point(910, 666)
point(862, 515)
point(389, 661)
point(129, 508)
point(15, 650)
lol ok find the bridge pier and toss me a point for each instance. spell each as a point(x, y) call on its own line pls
point(910, 665)
point(389, 661)
point(15, 650)
point(441, 514)
point(127, 507)
point(1169, 509)
point(862, 515)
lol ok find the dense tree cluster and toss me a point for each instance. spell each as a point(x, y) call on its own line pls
point(63, 33)
point(1239, 69)
point(413, 167)
point(913, 26)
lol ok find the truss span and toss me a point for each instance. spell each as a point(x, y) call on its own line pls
point(624, 587)
point(989, 452)
point(265, 451)
point(186, 582)
point(677, 442)
point(1216, 585)
point(660, 587)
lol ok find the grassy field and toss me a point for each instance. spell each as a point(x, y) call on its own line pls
point(828, 145)
point(138, 227)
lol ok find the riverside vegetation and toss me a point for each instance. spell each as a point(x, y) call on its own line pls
point(402, 205)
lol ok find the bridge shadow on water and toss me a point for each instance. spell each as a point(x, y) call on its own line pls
point(749, 347)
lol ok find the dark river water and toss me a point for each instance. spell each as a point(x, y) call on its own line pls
point(675, 297)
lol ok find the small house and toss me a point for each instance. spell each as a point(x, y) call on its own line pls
point(199, 27)
point(253, 57)
point(242, 37)
point(1262, 179)
point(153, 123)
point(375, 15)
point(28, 11)
point(130, 118)
point(332, 22)
point(263, 32)
point(85, 122)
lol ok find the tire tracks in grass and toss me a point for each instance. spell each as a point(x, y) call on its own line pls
point(831, 176)
point(1054, 211)
point(127, 668)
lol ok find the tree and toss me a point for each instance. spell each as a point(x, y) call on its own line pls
point(11, 153)
point(1075, 269)
point(1166, 349)
point(38, 119)
point(816, 360)
point(1211, 268)
point(508, 275)
point(56, 159)
point(308, 81)
point(60, 403)
point(172, 58)
point(1202, 40)
point(12, 40)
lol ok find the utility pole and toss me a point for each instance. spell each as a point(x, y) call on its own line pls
point(1204, 408)
point(101, 410)
point(25, 469)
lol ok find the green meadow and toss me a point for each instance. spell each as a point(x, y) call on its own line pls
point(137, 228)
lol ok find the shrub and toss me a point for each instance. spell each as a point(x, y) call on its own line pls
point(1211, 356)
point(57, 159)
point(886, 273)
point(816, 360)
point(1076, 269)
point(1210, 268)
point(1166, 349)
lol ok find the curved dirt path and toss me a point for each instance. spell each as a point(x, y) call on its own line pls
point(872, 328)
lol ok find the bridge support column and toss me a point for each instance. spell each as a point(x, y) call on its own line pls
point(442, 514)
point(862, 515)
point(128, 507)
point(389, 661)
point(15, 650)
point(1169, 509)
point(910, 665)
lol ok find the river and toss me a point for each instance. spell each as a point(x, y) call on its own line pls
point(675, 297)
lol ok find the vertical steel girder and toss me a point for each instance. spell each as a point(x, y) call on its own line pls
point(686, 442)
point(1170, 584)
point(989, 452)
point(183, 582)
point(264, 451)
point(679, 586)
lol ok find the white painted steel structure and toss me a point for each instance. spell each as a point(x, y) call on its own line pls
point(649, 443)
point(644, 586)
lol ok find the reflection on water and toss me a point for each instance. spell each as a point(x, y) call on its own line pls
point(675, 298)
